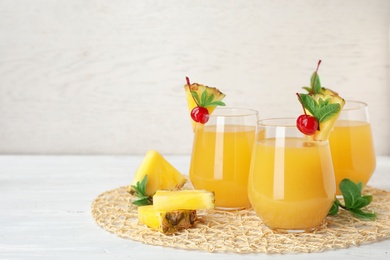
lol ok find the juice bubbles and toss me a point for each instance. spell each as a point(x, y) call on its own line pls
point(352, 151)
point(291, 182)
point(221, 155)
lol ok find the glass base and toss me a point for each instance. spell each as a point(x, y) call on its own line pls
point(293, 231)
point(230, 208)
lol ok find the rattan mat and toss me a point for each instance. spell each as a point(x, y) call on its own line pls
point(242, 231)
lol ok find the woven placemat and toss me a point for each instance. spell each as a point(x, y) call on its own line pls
point(242, 231)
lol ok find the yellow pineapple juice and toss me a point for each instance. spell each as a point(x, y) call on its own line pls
point(220, 162)
point(352, 151)
point(291, 183)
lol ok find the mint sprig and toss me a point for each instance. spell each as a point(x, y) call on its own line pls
point(315, 83)
point(140, 192)
point(206, 100)
point(321, 110)
point(353, 200)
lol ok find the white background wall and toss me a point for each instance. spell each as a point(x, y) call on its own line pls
point(107, 76)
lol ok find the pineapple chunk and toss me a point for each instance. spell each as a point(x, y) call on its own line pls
point(326, 127)
point(199, 89)
point(183, 199)
point(167, 222)
point(161, 174)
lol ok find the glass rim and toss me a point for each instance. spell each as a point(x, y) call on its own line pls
point(238, 112)
point(355, 105)
point(287, 122)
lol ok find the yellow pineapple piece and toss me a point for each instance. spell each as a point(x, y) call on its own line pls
point(183, 199)
point(167, 222)
point(326, 127)
point(199, 89)
point(161, 174)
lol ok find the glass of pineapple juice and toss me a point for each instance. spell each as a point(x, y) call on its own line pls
point(291, 181)
point(221, 154)
point(351, 144)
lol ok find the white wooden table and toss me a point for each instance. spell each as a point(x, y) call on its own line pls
point(45, 211)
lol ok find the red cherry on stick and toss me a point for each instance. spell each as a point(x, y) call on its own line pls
point(307, 124)
point(200, 114)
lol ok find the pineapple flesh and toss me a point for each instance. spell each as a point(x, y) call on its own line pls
point(183, 199)
point(161, 174)
point(167, 222)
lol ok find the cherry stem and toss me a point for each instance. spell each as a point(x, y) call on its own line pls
point(189, 84)
point(318, 65)
point(301, 101)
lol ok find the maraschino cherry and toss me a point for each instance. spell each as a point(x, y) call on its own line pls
point(199, 114)
point(307, 124)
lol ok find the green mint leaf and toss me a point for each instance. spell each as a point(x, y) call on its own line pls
point(203, 99)
point(136, 189)
point(360, 186)
point(327, 111)
point(350, 192)
point(307, 89)
point(354, 201)
point(140, 192)
point(323, 102)
point(195, 96)
point(363, 215)
point(362, 202)
point(216, 103)
point(209, 99)
point(322, 110)
point(143, 185)
point(335, 208)
point(309, 103)
point(315, 83)
point(142, 202)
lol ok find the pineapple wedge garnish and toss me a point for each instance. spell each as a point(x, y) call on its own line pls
point(167, 222)
point(322, 103)
point(161, 175)
point(183, 199)
point(201, 95)
point(326, 126)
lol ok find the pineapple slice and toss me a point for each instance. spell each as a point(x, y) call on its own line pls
point(326, 126)
point(167, 222)
point(183, 199)
point(212, 97)
point(161, 175)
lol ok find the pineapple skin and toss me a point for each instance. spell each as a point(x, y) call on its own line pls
point(326, 127)
point(183, 199)
point(167, 222)
point(161, 174)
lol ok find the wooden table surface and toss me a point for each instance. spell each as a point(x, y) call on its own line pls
point(45, 211)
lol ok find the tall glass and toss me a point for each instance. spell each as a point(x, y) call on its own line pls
point(221, 154)
point(351, 144)
point(291, 180)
